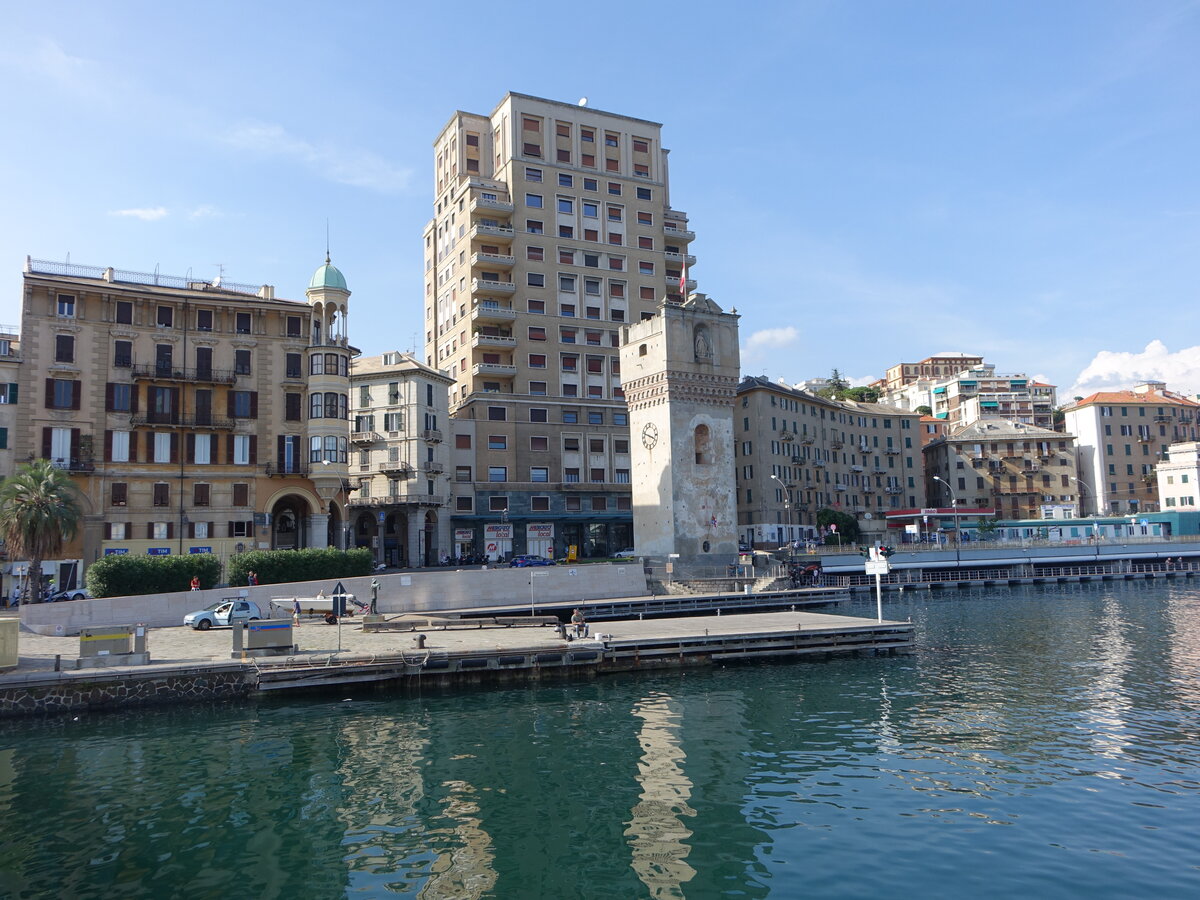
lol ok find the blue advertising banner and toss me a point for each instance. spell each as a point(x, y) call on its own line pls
point(159, 551)
point(116, 551)
point(199, 549)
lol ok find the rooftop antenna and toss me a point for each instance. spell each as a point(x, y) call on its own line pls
point(327, 241)
point(583, 101)
point(216, 282)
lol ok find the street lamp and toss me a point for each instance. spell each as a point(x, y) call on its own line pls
point(787, 509)
point(1082, 490)
point(533, 575)
point(954, 503)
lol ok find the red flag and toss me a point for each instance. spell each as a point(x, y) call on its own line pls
point(683, 281)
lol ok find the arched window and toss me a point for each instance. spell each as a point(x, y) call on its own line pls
point(703, 444)
point(641, 350)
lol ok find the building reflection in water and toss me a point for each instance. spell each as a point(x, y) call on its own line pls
point(656, 834)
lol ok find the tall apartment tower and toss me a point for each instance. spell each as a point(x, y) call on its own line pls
point(552, 229)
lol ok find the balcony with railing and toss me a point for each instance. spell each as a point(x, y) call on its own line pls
point(482, 230)
point(673, 281)
point(365, 437)
point(433, 468)
point(678, 234)
point(396, 469)
point(684, 258)
point(500, 370)
point(176, 420)
point(81, 464)
point(492, 340)
point(287, 470)
point(432, 435)
point(836, 445)
point(488, 205)
point(159, 372)
point(892, 451)
point(493, 312)
point(494, 288)
point(493, 259)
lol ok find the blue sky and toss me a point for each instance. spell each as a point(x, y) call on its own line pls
point(870, 182)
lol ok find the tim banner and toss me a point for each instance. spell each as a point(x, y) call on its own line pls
point(159, 551)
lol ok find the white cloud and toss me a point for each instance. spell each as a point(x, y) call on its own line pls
point(358, 168)
point(205, 211)
point(769, 338)
point(146, 213)
point(1119, 369)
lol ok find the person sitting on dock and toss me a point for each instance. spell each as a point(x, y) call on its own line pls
point(580, 623)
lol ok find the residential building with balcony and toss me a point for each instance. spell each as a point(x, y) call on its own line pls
point(399, 460)
point(965, 395)
point(195, 417)
point(798, 453)
point(1015, 468)
point(1122, 436)
point(1179, 478)
point(932, 368)
point(552, 228)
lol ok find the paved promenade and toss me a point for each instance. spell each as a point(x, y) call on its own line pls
point(181, 646)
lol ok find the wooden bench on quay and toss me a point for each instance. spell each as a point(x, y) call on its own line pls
point(410, 622)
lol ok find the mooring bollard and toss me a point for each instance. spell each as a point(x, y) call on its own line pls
point(420, 639)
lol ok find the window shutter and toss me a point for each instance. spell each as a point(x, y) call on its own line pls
point(280, 451)
point(170, 531)
point(176, 409)
point(229, 407)
point(191, 448)
point(149, 531)
point(49, 394)
point(108, 445)
point(108, 396)
point(254, 449)
point(12, 393)
point(229, 449)
point(75, 435)
point(76, 394)
point(133, 398)
point(191, 530)
point(254, 404)
point(175, 447)
point(46, 443)
point(230, 527)
point(133, 442)
point(108, 531)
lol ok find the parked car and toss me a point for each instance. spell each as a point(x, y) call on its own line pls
point(528, 559)
point(72, 594)
point(629, 553)
point(223, 612)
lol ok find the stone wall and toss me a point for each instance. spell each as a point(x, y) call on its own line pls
point(71, 693)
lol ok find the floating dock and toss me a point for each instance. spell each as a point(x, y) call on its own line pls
point(465, 654)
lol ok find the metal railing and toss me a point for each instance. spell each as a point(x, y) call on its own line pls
point(125, 276)
point(183, 373)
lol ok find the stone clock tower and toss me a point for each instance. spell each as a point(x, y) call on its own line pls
point(680, 371)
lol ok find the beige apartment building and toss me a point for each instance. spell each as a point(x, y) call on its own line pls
point(10, 372)
point(1122, 436)
point(798, 453)
point(196, 417)
point(399, 460)
point(932, 368)
point(552, 228)
point(1013, 467)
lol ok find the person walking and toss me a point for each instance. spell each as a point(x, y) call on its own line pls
point(252, 578)
point(295, 610)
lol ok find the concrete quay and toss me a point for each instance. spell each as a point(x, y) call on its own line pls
point(191, 665)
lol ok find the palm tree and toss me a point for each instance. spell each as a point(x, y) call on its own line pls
point(40, 509)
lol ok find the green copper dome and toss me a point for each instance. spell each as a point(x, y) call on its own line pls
point(328, 276)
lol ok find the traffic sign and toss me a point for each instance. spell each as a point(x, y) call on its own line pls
point(878, 566)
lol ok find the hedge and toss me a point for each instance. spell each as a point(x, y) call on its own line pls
point(122, 576)
point(313, 564)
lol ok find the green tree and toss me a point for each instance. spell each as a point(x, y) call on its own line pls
point(836, 389)
point(987, 528)
point(40, 510)
point(861, 394)
point(847, 525)
point(924, 410)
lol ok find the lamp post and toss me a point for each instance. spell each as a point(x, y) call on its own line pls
point(954, 503)
point(787, 509)
point(533, 575)
point(1082, 490)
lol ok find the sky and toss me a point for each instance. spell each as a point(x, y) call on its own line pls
point(870, 182)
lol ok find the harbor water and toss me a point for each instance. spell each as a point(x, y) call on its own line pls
point(1041, 741)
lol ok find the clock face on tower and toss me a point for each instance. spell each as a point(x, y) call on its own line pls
point(649, 435)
